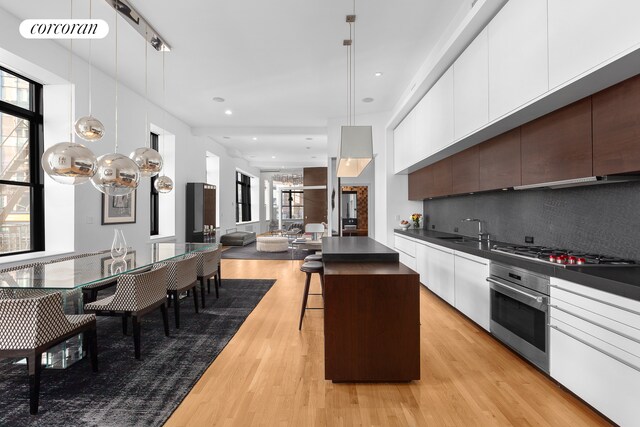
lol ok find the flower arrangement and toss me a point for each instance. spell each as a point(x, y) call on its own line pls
point(416, 219)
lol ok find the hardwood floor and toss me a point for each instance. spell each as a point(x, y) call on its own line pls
point(272, 374)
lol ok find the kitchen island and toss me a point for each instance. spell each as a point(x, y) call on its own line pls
point(372, 313)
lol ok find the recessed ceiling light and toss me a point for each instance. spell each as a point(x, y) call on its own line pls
point(254, 138)
point(273, 157)
point(308, 148)
point(228, 112)
point(218, 99)
point(378, 74)
point(367, 100)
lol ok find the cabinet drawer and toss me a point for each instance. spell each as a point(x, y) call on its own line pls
point(608, 385)
point(407, 260)
point(405, 245)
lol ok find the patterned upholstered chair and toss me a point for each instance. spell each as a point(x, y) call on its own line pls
point(208, 267)
point(181, 277)
point(30, 326)
point(135, 296)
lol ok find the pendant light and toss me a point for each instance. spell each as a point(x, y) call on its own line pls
point(116, 175)
point(88, 127)
point(69, 162)
point(163, 184)
point(149, 161)
point(356, 143)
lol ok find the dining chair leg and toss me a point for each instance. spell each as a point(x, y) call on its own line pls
point(195, 298)
point(219, 275)
point(93, 348)
point(136, 336)
point(35, 368)
point(169, 298)
point(217, 285)
point(305, 295)
point(202, 290)
point(209, 285)
point(176, 307)
point(125, 320)
point(165, 319)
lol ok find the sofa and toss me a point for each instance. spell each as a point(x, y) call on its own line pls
point(238, 238)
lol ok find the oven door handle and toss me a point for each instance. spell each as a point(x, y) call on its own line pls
point(508, 288)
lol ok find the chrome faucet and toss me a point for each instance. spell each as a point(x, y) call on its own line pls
point(479, 221)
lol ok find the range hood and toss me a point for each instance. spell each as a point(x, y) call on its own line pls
point(579, 182)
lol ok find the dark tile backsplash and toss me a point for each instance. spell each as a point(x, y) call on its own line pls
point(601, 218)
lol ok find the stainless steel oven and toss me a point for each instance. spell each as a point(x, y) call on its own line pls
point(520, 312)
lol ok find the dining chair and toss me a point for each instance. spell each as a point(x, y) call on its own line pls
point(315, 229)
point(208, 267)
point(182, 276)
point(31, 326)
point(136, 295)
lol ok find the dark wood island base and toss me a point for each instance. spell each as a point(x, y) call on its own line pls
point(371, 322)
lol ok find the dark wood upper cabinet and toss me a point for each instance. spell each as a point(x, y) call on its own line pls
point(464, 170)
point(558, 146)
point(499, 162)
point(421, 183)
point(314, 176)
point(616, 128)
point(442, 178)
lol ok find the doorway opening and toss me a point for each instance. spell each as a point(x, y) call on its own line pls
point(354, 208)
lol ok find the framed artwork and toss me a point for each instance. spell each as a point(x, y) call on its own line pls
point(119, 209)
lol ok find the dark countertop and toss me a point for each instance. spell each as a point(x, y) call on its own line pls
point(356, 249)
point(623, 281)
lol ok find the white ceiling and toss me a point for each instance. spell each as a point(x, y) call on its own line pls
point(280, 65)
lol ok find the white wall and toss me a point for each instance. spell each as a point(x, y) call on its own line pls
point(76, 213)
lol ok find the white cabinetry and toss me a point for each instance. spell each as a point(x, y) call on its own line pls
point(472, 293)
point(438, 113)
point(403, 136)
point(406, 248)
point(471, 87)
point(585, 33)
point(440, 272)
point(518, 66)
point(595, 348)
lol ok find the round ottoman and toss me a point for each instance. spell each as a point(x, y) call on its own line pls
point(272, 244)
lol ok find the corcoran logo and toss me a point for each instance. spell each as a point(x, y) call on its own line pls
point(64, 29)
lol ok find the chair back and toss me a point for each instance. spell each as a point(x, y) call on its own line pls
point(208, 261)
point(182, 273)
point(31, 322)
point(137, 291)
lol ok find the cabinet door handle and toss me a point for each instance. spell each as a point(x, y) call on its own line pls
point(595, 299)
point(599, 325)
point(588, 344)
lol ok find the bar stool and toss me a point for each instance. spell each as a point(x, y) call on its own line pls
point(313, 257)
point(309, 268)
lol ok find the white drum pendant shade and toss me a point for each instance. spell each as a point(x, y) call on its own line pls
point(69, 163)
point(356, 150)
point(117, 175)
point(89, 128)
point(163, 184)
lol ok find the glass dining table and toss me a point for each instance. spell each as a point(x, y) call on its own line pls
point(69, 276)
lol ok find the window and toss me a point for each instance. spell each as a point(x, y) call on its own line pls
point(292, 204)
point(267, 201)
point(243, 197)
point(154, 199)
point(21, 180)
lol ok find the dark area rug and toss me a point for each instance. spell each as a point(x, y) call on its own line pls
point(250, 252)
point(127, 392)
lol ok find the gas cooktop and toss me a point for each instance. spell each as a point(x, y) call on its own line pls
point(563, 257)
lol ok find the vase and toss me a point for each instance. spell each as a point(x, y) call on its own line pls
point(416, 224)
point(119, 245)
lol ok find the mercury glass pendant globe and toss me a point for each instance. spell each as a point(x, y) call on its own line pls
point(116, 175)
point(149, 161)
point(89, 128)
point(69, 163)
point(163, 184)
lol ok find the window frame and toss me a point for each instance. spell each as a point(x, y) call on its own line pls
point(243, 181)
point(154, 195)
point(36, 174)
point(290, 204)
